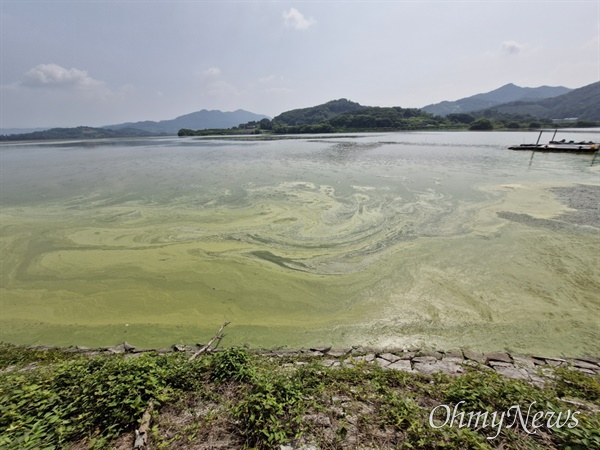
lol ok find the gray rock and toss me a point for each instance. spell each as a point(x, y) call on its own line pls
point(548, 373)
point(436, 355)
point(560, 360)
point(585, 365)
point(317, 419)
point(424, 359)
point(589, 359)
point(384, 362)
point(521, 361)
point(320, 349)
point(369, 358)
point(389, 357)
point(513, 372)
point(498, 356)
point(471, 363)
point(402, 364)
point(121, 348)
point(448, 367)
point(330, 363)
point(473, 356)
point(337, 412)
point(128, 347)
point(453, 354)
point(495, 364)
point(538, 361)
point(586, 371)
point(454, 360)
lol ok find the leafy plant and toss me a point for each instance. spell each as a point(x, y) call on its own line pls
point(271, 413)
point(231, 364)
point(573, 383)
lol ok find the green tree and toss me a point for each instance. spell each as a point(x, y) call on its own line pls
point(460, 118)
point(265, 124)
point(481, 124)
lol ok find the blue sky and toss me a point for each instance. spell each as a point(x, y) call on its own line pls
point(69, 63)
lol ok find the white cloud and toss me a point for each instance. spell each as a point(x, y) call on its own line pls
point(53, 75)
point(212, 72)
point(512, 47)
point(295, 19)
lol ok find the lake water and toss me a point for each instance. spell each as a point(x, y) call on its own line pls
point(420, 239)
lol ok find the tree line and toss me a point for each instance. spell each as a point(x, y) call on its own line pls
point(339, 116)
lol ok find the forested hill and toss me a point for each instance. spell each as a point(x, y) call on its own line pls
point(344, 115)
point(317, 114)
point(75, 133)
point(582, 103)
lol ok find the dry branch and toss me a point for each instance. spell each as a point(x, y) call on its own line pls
point(218, 336)
point(141, 434)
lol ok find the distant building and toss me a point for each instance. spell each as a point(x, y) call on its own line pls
point(568, 119)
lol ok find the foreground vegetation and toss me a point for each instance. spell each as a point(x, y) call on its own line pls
point(54, 399)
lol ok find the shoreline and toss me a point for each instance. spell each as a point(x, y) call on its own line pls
point(412, 360)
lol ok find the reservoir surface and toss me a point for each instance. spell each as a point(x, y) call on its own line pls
point(393, 240)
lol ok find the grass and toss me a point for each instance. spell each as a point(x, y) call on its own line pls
point(52, 399)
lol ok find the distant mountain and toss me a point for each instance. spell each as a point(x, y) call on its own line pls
point(199, 120)
point(582, 104)
point(504, 94)
point(316, 114)
point(21, 130)
point(75, 133)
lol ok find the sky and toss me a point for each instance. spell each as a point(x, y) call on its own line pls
point(95, 63)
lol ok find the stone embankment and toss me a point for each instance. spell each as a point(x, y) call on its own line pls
point(527, 368)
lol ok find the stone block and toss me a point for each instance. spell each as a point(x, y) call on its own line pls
point(389, 357)
point(436, 355)
point(383, 362)
point(474, 356)
point(585, 365)
point(453, 354)
point(446, 367)
point(424, 359)
point(521, 361)
point(498, 356)
point(401, 364)
point(513, 372)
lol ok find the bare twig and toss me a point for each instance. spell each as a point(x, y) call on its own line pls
point(207, 346)
point(141, 434)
